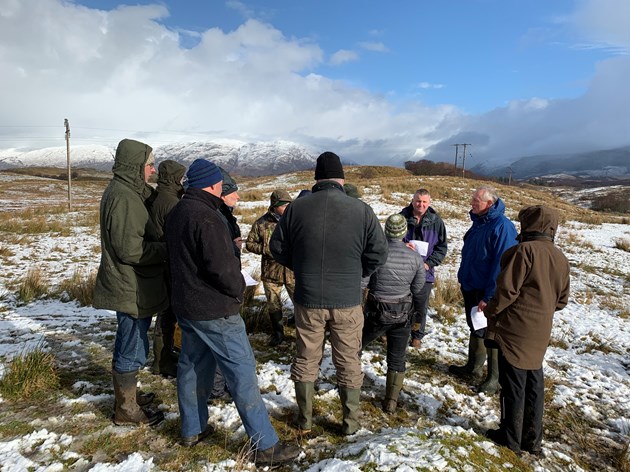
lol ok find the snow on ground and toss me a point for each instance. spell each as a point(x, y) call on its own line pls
point(588, 362)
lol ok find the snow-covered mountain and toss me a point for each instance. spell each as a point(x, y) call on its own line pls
point(241, 158)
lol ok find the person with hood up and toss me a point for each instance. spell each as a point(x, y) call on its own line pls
point(533, 283)
point(168, 192)
point(395, 289)
point(485, 242)
point(273, 275)
point(130, 279)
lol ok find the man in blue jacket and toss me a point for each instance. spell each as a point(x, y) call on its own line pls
point(330, 241)
point(485, 242)
point(424, 224)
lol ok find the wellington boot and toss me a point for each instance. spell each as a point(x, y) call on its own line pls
point(277, 329)
point(490, 386)
point(476, 359)
point(350, 408)
point(126, 409)
point(304, 392)
point(392, 390)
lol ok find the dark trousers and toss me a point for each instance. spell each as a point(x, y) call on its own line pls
point(472, 299)
point(397, 340)
point(522, 403)
point(420, 316)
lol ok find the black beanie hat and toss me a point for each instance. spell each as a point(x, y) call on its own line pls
point(328, 167)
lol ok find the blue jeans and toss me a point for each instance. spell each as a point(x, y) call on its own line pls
point(222, 342)
point(131, 347)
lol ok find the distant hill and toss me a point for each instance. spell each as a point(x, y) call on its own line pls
point(247, 159)
point(606, 164)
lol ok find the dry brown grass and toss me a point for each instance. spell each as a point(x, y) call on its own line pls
point(31, 286)
point(79, 287)
point(447, 299)
point(623, 244)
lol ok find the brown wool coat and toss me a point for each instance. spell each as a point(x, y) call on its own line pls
point(532, 285)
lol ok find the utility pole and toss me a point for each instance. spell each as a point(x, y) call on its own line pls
point(67, 126)
point(464, 160)
point(509, 172)
point(456, 153)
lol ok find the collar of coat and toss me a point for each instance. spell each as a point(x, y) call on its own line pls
point(327, 185)
point(201, 195)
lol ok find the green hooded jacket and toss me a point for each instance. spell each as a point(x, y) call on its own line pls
point(169, 191)
point(130, 276)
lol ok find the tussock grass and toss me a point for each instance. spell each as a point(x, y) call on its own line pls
point(623, 244)
point(32, 286)
point(5, 251)
point(29, 375)
point(34, 225)
point(79, 287)
point(447, 299)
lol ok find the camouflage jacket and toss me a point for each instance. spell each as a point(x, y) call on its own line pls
point(258, 243)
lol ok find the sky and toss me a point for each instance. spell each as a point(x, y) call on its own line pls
point(375, 82)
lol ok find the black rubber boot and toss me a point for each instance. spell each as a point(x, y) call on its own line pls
point(491, 384)
point(277, 329)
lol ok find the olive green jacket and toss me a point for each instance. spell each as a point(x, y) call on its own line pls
point(258, 243)
point(130, 276)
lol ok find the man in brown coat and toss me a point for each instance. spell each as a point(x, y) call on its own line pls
point(532, 285)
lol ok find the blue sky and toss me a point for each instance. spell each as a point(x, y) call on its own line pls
point(378, 81)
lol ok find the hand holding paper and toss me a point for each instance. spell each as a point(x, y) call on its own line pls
point(421, 247)
point(479, 320)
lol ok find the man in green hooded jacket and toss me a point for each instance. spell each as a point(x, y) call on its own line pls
point(130, 278)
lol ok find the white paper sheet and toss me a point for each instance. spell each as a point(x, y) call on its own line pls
point(421, 247)
point(249, 280)
point(479, 320)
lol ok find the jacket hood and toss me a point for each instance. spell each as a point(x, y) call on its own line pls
point(538, 220)
point(171, 172)
point(129, 162)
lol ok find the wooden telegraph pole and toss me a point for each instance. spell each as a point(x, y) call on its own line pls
point(456, 153)
point(67, 125)
point(464, 160)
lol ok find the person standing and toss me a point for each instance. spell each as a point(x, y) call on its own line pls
point(485, 242)
point(207, 294)
point(395, 289)
point(424, 224)
point(168, 192)
point(533, 283)
point(130, 277)
point(330, 241)
point(274, 276)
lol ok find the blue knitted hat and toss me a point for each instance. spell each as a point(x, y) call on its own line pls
point(202, 173)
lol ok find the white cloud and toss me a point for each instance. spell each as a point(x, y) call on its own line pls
point(374, 46)
point(428, 85)
point(343, 55)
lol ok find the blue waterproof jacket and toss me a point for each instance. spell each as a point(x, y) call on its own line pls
point(484, 244)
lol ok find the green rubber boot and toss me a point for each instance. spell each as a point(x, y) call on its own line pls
point(476, 359)
point(304, 392)
point(350, 407)
point(490, 386)
point(393, 387)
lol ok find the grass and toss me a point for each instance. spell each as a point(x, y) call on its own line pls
point(447, 300)
point(623, 244)
point(32, 286)
point(79, 287)
point(30, 375)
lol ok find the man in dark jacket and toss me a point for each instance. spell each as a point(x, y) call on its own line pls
point(330, 241)
point(485, 242)
point(274, 276)
point(395, 289)
point(424, 224)
point(532, 285)
point(168, 192)
point(207, 294)
point(130, 277)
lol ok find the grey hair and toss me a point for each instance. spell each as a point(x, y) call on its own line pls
point(490, 193)
point(422, 192)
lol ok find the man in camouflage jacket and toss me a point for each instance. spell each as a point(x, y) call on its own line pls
point(273, 274)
